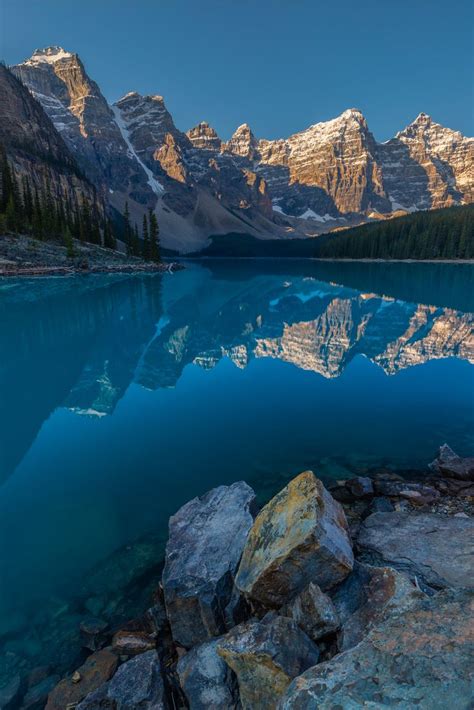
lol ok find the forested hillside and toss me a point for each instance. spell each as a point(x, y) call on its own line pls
point(440, 234)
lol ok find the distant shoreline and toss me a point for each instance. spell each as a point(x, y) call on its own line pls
point(313, 258)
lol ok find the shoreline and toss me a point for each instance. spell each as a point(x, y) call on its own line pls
point(312, 258)
point(76, 271)
point(389, 548)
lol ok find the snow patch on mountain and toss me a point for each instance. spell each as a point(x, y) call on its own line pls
point(156, 186)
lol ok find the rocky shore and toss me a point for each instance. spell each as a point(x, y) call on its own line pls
point(25, 256)
point(355, 594)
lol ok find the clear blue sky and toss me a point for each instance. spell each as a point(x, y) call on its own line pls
point(279, 65)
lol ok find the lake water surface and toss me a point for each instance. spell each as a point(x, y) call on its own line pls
point(121, 397)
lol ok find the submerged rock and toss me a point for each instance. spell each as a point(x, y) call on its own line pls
point(451, 465)
point(265, 655)
point(367, 597)
point(313, 611)
point(436, 549)
point(207, 536)
point(207, 680)
point(97, 669)
point(93, 633)
point(37, 695)
point(10, 693)
point(418, 657)
point(300, 536)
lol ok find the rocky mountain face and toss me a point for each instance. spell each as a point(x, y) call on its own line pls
point(33, 144)
point(86, 122)
point(330, 175)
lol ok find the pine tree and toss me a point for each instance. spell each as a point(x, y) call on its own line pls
point(69, 244)
point(154, 238)
point(146, 239)
point(127, 231)
point(109, 239)
point(135, 242)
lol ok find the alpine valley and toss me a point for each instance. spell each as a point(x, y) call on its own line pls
point(329, 176)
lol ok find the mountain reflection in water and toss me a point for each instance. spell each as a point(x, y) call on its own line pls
point(123, 397)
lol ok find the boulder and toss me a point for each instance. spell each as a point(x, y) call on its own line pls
point(207, 680)
point(451, 465)
point(97, 669)
point(414, 491)
point(265, 656)
point(313, 611)
point(131, 643)
point(349, 490)
point(418, 657)
point(97, 700)
point(360, 487)
point(138, 683)
point(380, 504)
point(434, 549)
point(367, 597)
point(300, 536)
point(207, 536)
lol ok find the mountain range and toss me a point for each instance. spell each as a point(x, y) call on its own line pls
point(331, 175)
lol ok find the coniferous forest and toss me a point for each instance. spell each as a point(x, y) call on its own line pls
point(62, 217)
point(439, 234)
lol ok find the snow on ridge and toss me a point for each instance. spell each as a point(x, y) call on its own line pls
point(310, 214)
point(49, 55)
point(156, 186)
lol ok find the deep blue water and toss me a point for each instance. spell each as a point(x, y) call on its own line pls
point(121, 397)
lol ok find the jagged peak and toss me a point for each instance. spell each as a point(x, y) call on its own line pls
point(243, 128)
point(352, 113)
point(203, 129)
point(422, 118)
point(135, 96)
point(204, 136)
point(49, 55)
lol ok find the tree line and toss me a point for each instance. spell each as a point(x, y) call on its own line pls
point(61, 216)
point(149, 248)
point(439, 234)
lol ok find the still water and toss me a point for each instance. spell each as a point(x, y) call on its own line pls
point(121, 397)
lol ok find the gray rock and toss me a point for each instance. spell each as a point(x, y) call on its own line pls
point(97, 700)
point(207, 680)
point(451, 465)
point(437, 549)
point(139, 684)
point(313, 611)
point(367, 597)
point(413, 491)
point(381, 505)
point(207, 536)
point(265, 655)
point(300, 536)
point(156, 615)
point(360, 487)
point(418, 657)
point(131, 643)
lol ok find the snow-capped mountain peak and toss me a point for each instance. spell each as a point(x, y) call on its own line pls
point(48, 55)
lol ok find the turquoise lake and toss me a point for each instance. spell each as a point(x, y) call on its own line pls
point(121, 397)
